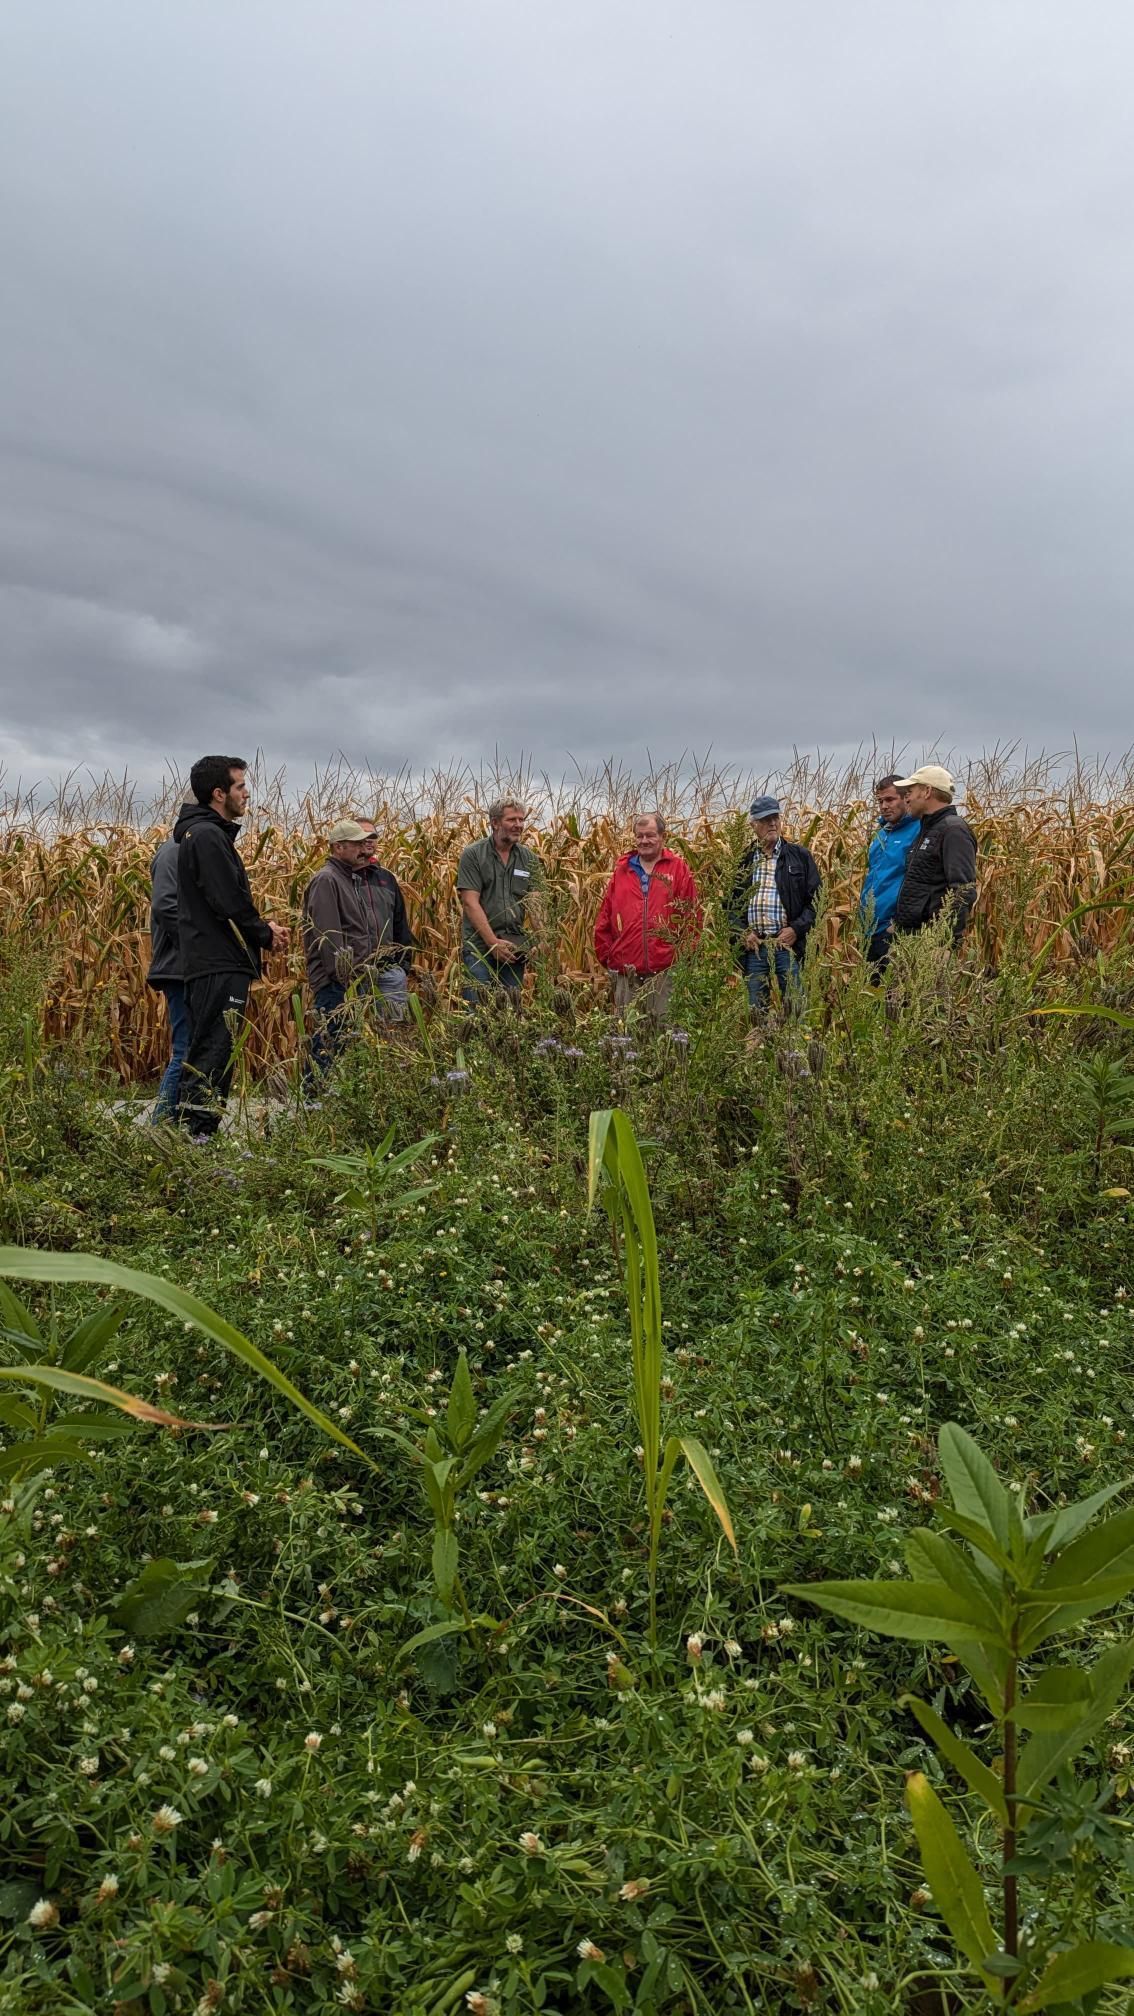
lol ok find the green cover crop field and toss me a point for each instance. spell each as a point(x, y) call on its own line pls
point(362, 1707)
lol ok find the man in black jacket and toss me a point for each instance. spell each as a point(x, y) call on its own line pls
point(165, 973)
point(941, 864)
point(773, 906)
point(220, 932)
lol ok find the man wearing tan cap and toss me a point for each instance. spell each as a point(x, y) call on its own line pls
point(941, 865)
point(355, 934)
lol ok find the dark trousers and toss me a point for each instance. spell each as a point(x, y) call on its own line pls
point(329, 1032)
point(165, 1104)
point(207, 1073)
point(878, 953)
point(760, 967)
point(485, 974)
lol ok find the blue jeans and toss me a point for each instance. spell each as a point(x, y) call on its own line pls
point(485, 973)
point(758, 970)
point(332, 1017)
point(166, 1102)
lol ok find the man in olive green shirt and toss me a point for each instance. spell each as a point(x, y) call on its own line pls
point(496, 879)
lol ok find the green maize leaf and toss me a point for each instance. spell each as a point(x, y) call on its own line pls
point(1048, 1751)
point(446, 1556)
point(931, 1557)
point(460, 1414)
point(916, 1611)
point(83, 1387)
point(976, 1775)
point(17, 1414)
point(1070, 1976)
point(954, 1882)
point(84, 1344)
point(698, 1459)
point(27, 1264)
point(91, 1427)
point(976, 1489)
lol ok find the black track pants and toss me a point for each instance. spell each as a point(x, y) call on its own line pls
point(206, 1076)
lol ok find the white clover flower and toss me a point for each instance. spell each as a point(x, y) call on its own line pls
point(531, 1843)
point(197, 1767)
point(167, 1754)
point(263, 1788)
point(166, 1819)
point(797, 1759)
point(43, 1915)
point(744, 1737)
point(312, 1741)
point(694, 1645)
point(88, 1766)
point(633, 1888)
point(587, 1950)
point(259, 1919)
point(126, 1656)
point(108, 1888)
point(560, 1572)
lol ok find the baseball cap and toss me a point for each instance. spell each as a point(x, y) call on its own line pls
point(347, 829)
point(931, 774)
point(763, 808)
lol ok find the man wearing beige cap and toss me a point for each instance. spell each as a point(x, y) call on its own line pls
point(355, 934)
point(941, 865)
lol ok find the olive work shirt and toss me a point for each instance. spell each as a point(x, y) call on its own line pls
point(503, 890)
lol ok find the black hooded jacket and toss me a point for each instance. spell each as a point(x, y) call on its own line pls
point(940, 870)
point(219, 928)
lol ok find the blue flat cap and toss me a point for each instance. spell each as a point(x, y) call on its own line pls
point(763, 808)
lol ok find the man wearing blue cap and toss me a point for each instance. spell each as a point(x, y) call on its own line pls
point(773, 905)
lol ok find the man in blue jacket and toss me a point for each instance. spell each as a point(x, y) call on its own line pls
point(886, 868)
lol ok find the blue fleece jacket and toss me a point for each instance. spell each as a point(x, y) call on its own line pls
point(885, 871)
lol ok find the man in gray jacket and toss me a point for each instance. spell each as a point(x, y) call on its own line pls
point(355, 934)
point(165, 975)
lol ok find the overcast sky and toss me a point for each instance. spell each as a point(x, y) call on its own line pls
point(563, 377)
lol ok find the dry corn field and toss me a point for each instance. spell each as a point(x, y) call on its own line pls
point(74, 875)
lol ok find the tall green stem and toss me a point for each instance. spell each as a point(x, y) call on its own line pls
point(1011, 1893)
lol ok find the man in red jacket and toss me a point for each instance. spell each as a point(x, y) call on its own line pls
point(650, 910)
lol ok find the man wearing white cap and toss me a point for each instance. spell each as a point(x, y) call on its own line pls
point(355, 933)
point(941, 867)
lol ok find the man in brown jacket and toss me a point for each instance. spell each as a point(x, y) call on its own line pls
point(355, 934)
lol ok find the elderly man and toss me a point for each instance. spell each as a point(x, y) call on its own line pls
point(355, 935)
point(941, 867)
point(497, 877)
point(649, 911)
point(773, 906)
point(885, 868)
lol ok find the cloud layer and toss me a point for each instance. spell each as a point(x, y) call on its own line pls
point(422, 381)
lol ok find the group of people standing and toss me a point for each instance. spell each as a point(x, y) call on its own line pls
point(208, 937)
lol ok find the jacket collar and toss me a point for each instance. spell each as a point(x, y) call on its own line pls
point(667, 855)
point(933, 818)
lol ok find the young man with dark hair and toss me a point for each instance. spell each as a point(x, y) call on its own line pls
point(221, 935)
point(885, 868)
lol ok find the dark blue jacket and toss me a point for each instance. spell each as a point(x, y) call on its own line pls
point(886, 871)
point(798, 883)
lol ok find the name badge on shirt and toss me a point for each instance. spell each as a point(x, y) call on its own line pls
point(517, 872)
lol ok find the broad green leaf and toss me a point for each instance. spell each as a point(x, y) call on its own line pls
point(446, 1556)
point(987, 1665)
point(1071, 1521)
point(445, 1629)
point(1105, 1554)
point(699, 1461)
point(92, 1427)
point(401, 1442)
point(977, 1536)
point(1057, 1699)
point(1078, 1972)
point(916, 1611)
point(933, 1558)
point(160, 1598)
point(486, 1441)
point(27, 1264)
point(91, 1337)
point(435, 1480)
point(460, 1414)
point(955, 1884)
point(1048, 1751)
point(41, 1455)
point(28, 1348)
point(17, 1414)
point(975, 1487)
point(17, 1316)
point(976, 1775)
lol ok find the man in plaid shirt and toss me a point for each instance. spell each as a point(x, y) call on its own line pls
point(773, 906)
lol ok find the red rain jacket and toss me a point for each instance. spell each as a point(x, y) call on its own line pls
point(632, 935)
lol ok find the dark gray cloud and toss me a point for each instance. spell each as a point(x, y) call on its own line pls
point(423, 381)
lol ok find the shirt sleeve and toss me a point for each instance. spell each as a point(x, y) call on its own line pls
point(470, 874)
